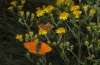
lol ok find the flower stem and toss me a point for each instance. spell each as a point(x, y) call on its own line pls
point(47, 38)
point(28, 29)
point(73, 54)
point(60, 36)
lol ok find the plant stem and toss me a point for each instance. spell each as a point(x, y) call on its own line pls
point(62, 56)
point(80, 2)
point(79, 45)
point(43, 58)
point(73, 54)
point(98, 17)
point(28, 29)
point(47, 38)
point(60, 36)
point(79, 41)
point(70, 30)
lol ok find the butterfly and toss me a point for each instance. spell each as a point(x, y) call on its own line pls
point(46, 27)
point(37, 47)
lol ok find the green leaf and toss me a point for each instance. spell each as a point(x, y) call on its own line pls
point(90, 46)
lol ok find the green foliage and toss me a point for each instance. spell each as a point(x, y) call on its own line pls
point(74, 37)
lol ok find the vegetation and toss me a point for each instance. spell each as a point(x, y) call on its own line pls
point(57, 32)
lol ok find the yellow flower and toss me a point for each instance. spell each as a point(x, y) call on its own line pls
point(59, 2)
point(77, 13)
point(70, 2)
point(21, 13)
point(13, 3)
point(48, 8)
point(22, 2)
point(19, 37)
point(27, 13)
point(32, 16)
point(88, 27)
point(85, 7)
point(74, 8)
point(63, 16)
point(42, 32)
point(86, 43)
point(92, 12)
point(31, 33)
point(67, 43)
point(19, 7)
point(26, 37)
point(26, 34)
point(38, 8)
point(90, 57)
point(39, 12)
point(20, 19)
point(10, 8)
point(61, 30)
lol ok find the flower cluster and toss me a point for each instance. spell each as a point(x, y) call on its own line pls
point(15, 4)
point(41, 12)
point(19, 37)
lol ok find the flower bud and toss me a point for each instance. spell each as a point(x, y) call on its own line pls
point(86, 43)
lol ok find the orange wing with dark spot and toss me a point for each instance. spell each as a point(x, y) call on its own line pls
point(32, 47)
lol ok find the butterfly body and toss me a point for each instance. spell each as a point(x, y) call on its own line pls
point(38, 46)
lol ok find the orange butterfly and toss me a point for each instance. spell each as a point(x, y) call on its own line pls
point(37, 47)
point(46, 27)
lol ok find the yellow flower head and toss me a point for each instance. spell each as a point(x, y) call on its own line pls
point(61, 30)
point(42, 32)
point(23, 2)
point(32, 16)
point(48, 8)
point(63, 16)
point(92, 12)
point(20, 7)
point(90, 57)
point(31, 33)
point(13, 3)
point(85, 7)
point(74, 8)
point(67, 43)
point(27, 13)
point(39, 12)
point(77, 13)
point(21, 13)
point(88, 27)
point(86, 43)
point(10, 8)
point(19, 37)
point(26, 34)
point(59, 2)
point(27, 37)
point(69, 2)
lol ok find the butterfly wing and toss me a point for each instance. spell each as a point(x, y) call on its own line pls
point(44, 48)
point(46, 27)
point(31, 46)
